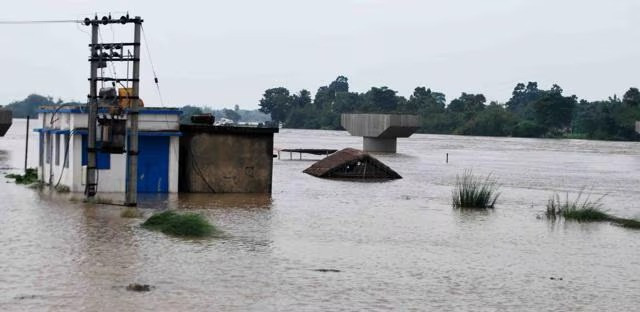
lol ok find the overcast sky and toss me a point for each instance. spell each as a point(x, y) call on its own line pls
point(222, 53)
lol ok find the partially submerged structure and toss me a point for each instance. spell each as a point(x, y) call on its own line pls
point(222, 159)
point(380, 132)
point(6, 119)
point(351, 163)
point(63, 151)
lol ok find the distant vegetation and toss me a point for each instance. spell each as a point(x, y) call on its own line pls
point(31, 103)
point(186, 225)
point(29, 106)
point(236, 114)
point(475, 192)
point(530, 112)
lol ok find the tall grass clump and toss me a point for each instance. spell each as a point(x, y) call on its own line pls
point(184, 225)
point(475, 192)
point(580, 210)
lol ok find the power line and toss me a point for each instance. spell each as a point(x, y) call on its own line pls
point(153, 69)
point(38, 22)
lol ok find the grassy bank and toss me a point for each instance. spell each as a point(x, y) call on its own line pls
point(475, 192)
point(184, 225)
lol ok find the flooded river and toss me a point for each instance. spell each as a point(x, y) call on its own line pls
point(396, 245)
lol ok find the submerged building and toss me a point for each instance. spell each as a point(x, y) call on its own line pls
point(63, 151)
point(353, 164)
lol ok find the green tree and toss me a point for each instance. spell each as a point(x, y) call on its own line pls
point(632, 97)
point(424, 101)
point(494, 120)
point(381, 100)
point(554, 111)
point(277, 102)
point(467, 103)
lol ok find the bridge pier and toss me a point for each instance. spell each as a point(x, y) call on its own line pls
point(380, 132)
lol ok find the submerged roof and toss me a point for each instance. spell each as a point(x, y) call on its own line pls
point(351, 163)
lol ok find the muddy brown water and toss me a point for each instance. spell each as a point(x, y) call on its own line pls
point(319, 245)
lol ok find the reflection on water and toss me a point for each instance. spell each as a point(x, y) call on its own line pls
point(396, 245)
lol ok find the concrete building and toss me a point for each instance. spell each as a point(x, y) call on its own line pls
point(63, 151)
point(380, 132)
point(226, 159)
point(6, 118)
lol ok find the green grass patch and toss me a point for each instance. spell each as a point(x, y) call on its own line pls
point(184, 225)
point(30, 177)
point(475, 192)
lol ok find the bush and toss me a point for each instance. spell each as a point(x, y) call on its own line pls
point(474, 192)
point(186, 225)
point(30, 177)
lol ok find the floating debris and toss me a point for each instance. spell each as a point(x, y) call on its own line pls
point(139, 287)
point(328, 270)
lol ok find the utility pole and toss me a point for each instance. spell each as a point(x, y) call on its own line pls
point(101, 55)
point(26, 146)
point(91, 188)
point(131, 196)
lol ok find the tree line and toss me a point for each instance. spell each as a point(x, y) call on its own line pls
point(530, 112)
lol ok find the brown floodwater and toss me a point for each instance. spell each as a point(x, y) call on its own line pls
point(395, 245)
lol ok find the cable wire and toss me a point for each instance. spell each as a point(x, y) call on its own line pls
point(39, 22)
point(153, 69)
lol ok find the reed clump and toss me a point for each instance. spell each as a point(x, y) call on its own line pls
point(586, 210)
point(183, 225)
point(580, 210)
point(475, 192)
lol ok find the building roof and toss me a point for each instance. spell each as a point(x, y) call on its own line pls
point(197, 129)
point(82, 109)
point(351, 163)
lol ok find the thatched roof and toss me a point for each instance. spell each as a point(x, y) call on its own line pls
point(351, 163)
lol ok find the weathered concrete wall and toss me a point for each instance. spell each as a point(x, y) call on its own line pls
point(380, 125)
point(226, 160)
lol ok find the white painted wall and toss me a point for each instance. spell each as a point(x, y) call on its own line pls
point(112, 180)
point(174, 152)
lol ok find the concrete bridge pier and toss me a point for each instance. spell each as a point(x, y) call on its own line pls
point(380, 132)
